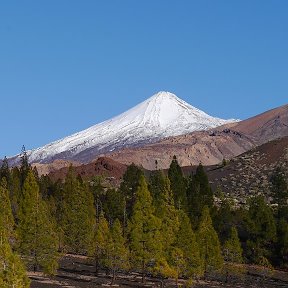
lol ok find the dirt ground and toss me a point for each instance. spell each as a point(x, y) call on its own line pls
point(75, 272)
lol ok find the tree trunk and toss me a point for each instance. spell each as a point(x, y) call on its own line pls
point(143, 271)
point(96, 266)
point(35, 264)
point(226, 277)
point(113, 277)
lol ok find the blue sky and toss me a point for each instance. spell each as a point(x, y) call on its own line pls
point(66, 65)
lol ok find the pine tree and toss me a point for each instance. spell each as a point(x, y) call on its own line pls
point(77, 215)
point(232, 251)
point(114, 205)
point(163, 200)
point(282, 242)
point(12, 271)
point(15, 192)
point(177, 261)
point(4, 170)
point(178, 184)
point(6, 216)
point(165, 210)
point(118, 252)
point(145, 238)
point(279, 189)
point(261, 230)
point(99, 248)
point(156, 186)
point(129, 186)
point(38, 241)
point(199, 194)
point(224, 219)
point(187, 242)
point(24, 167)
point(209, 244)
point(98, 191)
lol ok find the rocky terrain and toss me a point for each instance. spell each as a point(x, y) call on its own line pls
point(249, 173)
point(56, 165)
point(206, 147)
point(212, 146)
point(109, 169)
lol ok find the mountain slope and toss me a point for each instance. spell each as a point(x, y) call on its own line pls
point(249, 173)
point(160, 116)
point(207, 147)
point(212, 146)
point(267, 126)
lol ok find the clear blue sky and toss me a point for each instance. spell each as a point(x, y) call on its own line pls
point(66, 65)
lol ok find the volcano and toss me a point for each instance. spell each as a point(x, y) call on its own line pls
point(160, 116)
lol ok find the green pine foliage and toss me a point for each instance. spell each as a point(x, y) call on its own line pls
point(223, 219)
point(15, 191)
point(187, 242)
point(144, 228)
point(199, 194)
point(232, 252)
point(282, 243)
point(118, 251)
point(165, 210)
point(178, 184)
point(129, 186)
point(209, 244)
point(232, 249)
point(261, 230)
point(6, 216)
point(4, 170)
point(37, 237)
point(77, 215)
point(98, 249)
point(177, 263)
point(114, 205)
point(279, 189)
point(157, 186)
point(25, 166)
point(12, 270)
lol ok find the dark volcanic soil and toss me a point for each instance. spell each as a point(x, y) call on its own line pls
point(75, 272)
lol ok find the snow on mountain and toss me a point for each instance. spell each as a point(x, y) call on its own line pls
point(160, 116)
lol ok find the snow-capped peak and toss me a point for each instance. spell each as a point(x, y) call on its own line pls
point(160, 116)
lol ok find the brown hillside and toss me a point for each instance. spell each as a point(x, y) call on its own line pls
point(207, 147)
point(111, 170)
point(267, 126)
point(44, 169)
point(249, 173)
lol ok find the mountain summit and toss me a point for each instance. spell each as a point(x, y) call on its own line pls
point(160, 116)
